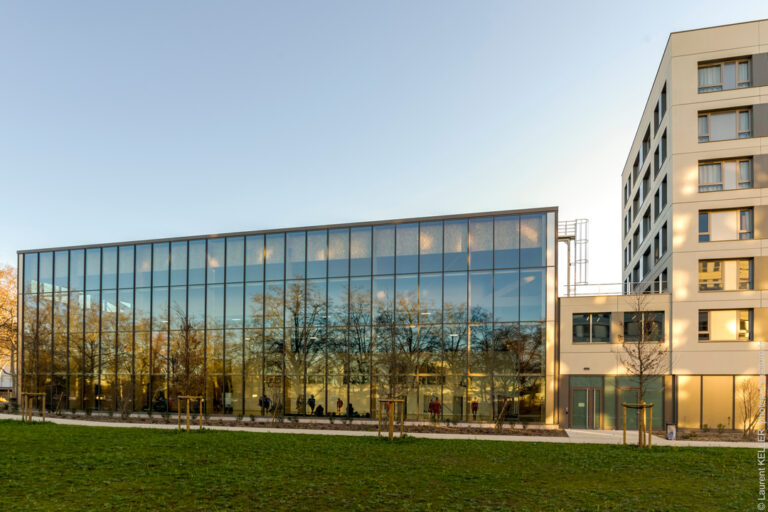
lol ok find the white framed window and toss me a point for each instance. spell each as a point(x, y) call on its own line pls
point(725, 125)
point(724, 75)
point(720, 225)
point(729, 174)
point(725, 325)
point(728, 275)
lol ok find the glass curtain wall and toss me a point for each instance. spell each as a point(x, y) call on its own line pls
point(319, 322)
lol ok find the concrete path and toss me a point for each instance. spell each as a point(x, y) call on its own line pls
point(574, 435)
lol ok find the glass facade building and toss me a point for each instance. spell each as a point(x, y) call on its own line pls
point(306, 321)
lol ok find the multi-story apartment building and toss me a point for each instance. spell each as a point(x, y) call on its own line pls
point(695, 228)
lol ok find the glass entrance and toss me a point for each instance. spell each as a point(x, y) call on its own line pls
point(586, 407)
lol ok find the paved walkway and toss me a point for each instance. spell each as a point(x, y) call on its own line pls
point(574, 435)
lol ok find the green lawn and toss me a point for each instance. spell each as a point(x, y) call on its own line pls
point(58, 467)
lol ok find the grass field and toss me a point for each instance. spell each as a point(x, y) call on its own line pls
point(58, 467)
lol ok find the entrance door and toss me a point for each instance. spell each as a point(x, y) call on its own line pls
point(631, 396)
point(586, 404)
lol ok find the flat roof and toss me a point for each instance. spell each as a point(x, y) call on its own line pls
point(718, 26)
point(303, 228)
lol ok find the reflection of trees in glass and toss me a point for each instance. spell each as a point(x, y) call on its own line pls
point(512, 356)
point(186, 357)
point(398, 351)
point(305, 326)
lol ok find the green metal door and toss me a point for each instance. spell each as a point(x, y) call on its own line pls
point(580, 415)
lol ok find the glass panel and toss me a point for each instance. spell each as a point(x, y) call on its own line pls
point(480, 296)
point(142, 308)
point(30, 273)
point(196, 262)
point(143, 265)
point(178, 313)
point(383, 299)
point(745, 174)
point(274, 295)
point(125, 310)
point(360, 251)
point(455, 252)
point(76, 270)
point(254, 258)
point(160, 309)
point(581, 328)
point(92, 269)
point(215, 261)
point(235, 251)
point(275, 257)
point(295, 247)
point(108, 310)
point(46, 272)
point(126, 267)
point(506, 296)
point(160, 265)
point(506, 241)
point(61, 271)
point(601, 327)
point(234, 306)
point(431, 247)
point(703, 128)
point(337, 301)
point(316, 310)
point(338, 252)
point(214, 307)
point(294, 308)
point(533, 240)
point(316, 253)
point(407, 299)
point(108, 268)
point(455, 297)
point(632, 322)
point(196, 306)
point(430, 298)
point(179, 263)
point(384, 250)
point(743, 74)
point(407, 248)
point(722, 126)
point(729, 78)
point(480, 243)
point(359, 301)
point(532, 295)
point(254, 304)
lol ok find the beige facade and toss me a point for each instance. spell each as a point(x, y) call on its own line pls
point(695, 222)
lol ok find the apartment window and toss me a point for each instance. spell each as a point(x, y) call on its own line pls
point(664, 280)
point(660, 156)
point(646, 223)
point(627, 224)
point(635, 169)
point(627, 254)
point(661, 243)
point(627, 190)
point(646, 148)
point(656, 161)
point(725, 225)
point(661, 108)
point(725, 325)
point(636, 273)
point(721, 76)
point(647, 262)
point(644, 326)
point(661, 198)
point(725, 175)
point(731, 124)
point(592, 328)
point(636, 239)
point(717, 275)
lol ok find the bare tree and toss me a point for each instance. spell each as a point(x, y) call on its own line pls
point(748, 397)
point(644, 354)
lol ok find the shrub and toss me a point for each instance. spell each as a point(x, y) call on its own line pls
point(705, 427)
point(720, 428)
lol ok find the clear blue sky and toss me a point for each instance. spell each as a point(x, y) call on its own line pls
point(135, 120)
